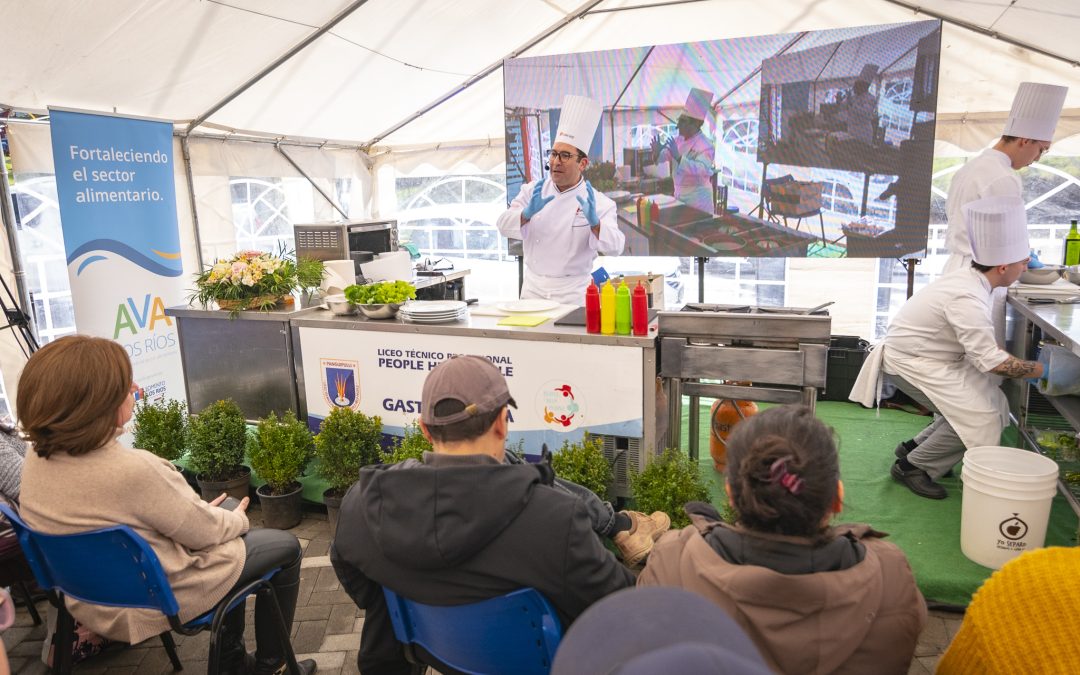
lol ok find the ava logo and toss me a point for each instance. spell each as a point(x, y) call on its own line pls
point(1013, 528)
point(561, 405)
point(340, 383)
point(143, 314)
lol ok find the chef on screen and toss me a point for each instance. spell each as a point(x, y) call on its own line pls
point(563, 223)
point(691, 153)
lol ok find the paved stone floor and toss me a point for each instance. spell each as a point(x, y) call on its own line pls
point(326, 627)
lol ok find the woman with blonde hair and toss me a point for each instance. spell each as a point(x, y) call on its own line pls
point(814, 598)
point(74, 397)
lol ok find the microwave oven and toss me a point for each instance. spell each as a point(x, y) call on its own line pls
point(345, 241)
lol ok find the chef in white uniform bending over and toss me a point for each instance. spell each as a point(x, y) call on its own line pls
point(1027, 135)
point(562, 221)
point(940, 350)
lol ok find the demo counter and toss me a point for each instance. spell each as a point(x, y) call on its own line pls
point(565, 381)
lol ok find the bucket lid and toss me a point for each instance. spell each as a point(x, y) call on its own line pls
point(1011, 462)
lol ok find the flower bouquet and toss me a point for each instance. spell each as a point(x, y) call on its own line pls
point(255, 280)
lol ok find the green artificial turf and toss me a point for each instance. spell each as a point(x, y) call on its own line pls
point(927, 530)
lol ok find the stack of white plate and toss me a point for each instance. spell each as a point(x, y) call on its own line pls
point(433, 311)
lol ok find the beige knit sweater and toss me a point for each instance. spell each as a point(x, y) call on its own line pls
point(199, 546)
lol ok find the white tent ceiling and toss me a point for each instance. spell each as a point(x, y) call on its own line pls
point(388, 59)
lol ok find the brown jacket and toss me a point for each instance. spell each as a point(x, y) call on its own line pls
point(199, 546)
point(865, 618)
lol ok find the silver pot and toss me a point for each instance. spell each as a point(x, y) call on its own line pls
point(387, 311)
point(339, 305)
point(1041, 275)
point(1072, 273)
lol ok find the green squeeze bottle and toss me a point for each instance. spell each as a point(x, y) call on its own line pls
point(622, 308)
point(1072, 246)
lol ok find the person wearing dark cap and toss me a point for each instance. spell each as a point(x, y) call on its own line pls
point(815, 599)
point(619, 635)
point(464, 526)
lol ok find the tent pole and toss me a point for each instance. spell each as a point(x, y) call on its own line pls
point(325, 28)
point(185, 150)
point(277, 146)
point(988, 32)
point(8, 214)
point(554, 28)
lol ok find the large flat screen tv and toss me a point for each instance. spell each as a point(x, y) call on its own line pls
point(817, 143)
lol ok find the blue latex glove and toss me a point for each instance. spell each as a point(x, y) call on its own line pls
point(1044, 359)
point(673, 149)
point(536, 202)
point(1035, 263)
point(588, 205)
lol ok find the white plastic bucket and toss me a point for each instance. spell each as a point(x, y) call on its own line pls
point(1006, 503)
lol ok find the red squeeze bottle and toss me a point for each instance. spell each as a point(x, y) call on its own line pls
point(592, 308)
point(639, 310)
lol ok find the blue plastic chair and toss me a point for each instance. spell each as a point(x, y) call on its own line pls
point(516, 633)
point(114, 566)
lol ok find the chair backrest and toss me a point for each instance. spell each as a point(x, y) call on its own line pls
point(514, 633)
point(112, 566)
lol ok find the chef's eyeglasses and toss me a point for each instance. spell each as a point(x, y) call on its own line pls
point(565, 156)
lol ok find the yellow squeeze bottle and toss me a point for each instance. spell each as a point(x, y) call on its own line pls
point(607, 309)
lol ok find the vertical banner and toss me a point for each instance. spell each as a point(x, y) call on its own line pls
point(114, 181)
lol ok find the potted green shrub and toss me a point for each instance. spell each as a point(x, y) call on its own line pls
point(667, 484)
point(279, 450)
point(412, 446)
point(160, 427)
point(584, 463)
point(347, 440)
point(217, 437)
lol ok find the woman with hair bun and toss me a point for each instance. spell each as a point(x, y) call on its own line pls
point(814, 598)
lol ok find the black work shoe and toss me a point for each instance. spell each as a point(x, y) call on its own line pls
point(903, 450)
point(918, 481)
point(307, 667)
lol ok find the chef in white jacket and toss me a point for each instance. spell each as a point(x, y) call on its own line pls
point(563, 223)
point(691, 153)
point(940, 350)
point(1027, 135)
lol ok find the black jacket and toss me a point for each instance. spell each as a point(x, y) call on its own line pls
point(456, 530)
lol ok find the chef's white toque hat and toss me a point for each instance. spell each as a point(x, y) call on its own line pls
point(577, 122)
point(1035, 111)
point(698, 105)
point(998, 230)
point(868, 73)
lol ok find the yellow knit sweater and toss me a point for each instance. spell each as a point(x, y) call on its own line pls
point(1024, 619)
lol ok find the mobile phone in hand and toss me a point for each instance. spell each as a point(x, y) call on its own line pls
point(229, 503)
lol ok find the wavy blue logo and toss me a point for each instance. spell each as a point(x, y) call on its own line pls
point(169, 268)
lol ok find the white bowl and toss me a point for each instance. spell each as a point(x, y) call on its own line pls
point(1041, 275)
point(387, 311)
point(339, 305)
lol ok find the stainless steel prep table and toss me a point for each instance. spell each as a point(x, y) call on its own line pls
point(1060, 323)
point(565, 381)
point(247, 358)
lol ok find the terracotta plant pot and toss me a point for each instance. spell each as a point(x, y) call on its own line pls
point(281, 512)
point(238, 487)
